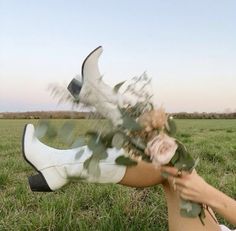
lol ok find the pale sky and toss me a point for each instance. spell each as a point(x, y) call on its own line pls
point(187, 47)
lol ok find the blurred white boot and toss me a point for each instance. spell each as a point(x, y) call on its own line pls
point(57, 167)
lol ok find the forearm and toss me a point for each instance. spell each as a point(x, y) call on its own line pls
point(221, 204)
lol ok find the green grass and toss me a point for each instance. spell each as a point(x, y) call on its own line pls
point(83, 206)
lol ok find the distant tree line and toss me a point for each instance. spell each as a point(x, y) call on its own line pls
point(204, 115)
point(84, 115)
point(45, 115)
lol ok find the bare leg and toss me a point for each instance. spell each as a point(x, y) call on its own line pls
point(179, 223)
point(142, 175)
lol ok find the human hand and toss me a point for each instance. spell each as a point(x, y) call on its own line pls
point(190, 186)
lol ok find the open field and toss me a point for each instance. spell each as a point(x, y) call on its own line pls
point(82, 206)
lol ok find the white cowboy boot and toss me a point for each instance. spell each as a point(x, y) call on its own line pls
point(57, 167)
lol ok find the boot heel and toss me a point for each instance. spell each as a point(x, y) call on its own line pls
point(38, 183)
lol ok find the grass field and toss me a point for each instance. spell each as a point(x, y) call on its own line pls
point(82, 206)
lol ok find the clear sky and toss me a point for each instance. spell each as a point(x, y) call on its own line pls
point(187, 47)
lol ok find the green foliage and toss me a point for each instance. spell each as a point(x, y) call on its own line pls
point(99, 152)
point(79, 154)
point(45, 128)
point(171, 128)
point(65, 133)
point(118, 140)
point(190, 209)
point(138, 143)
point(92, 166)
point(41, 129)
point(79, 142)
point(130, 123)
point(182, 158)
point(126, 161)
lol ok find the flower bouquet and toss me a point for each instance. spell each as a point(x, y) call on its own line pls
point(140, 130)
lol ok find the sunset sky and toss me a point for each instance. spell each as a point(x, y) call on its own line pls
point(187, 47)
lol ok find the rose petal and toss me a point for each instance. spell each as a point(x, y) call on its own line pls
point(161, 149)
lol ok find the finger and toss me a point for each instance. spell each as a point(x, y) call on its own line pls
point(178, 188)
point(170, 170)
point(173, 171)
point(184, 196)
point(173, 183)
point(178, 181)
point(184, 193)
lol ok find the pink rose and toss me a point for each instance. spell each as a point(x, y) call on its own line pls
point(161, 149)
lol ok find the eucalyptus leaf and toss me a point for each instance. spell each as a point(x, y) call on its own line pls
point(41, 129)
point(181, 148)
point(118, 140)
point(184, 161)
point(86, 162)
point(130, 123)
point(184, 164)
point(99, 151)
point(79, 142)
point(175, 158)
point(96, 145)
point(118, 86)
point(138, 143)
point(196, 162)
point(93, 168)
point(190, 209)
point(102, 154)
point(107, 139)
point(66, 131)
point(186, 205)
point(171, 127)
point(126, 161)
point(79, 154)
point(93, 141)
